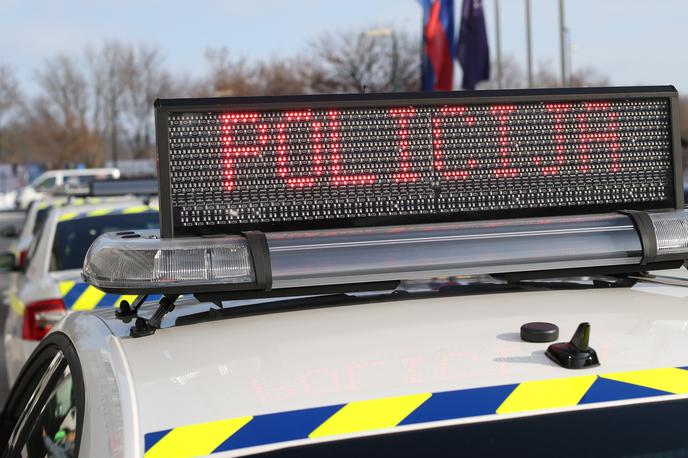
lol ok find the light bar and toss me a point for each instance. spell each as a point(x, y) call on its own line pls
point(672, 233)
point(142, 263)
point(283, 163)
point(119, 187)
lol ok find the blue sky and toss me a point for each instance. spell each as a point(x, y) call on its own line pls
point(631, 42)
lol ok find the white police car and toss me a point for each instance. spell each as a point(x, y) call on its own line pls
point(51, 285)
point(295, 223)
point(52, 180)
point(97, 191)
point(36, 214)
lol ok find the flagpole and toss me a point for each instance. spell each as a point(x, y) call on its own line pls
point(498, 45)
point(529, 50)
point(562, 53)
point(422, 48)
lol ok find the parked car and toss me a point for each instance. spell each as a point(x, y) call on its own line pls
point(51, 285)
point(51, 180)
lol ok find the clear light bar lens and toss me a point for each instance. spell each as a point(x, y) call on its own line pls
point(231, 263)
point(671, 231)
point(142, 260)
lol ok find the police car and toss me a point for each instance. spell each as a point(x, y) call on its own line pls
point(302, 227)
point(51, 285)
point(93, 193)
point(34, 219)
point(52, 180)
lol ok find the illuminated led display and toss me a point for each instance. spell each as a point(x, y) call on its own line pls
point(393, 162)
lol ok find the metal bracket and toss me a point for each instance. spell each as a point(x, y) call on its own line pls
point(145, 327)
point(126, 312)
point(646, 232)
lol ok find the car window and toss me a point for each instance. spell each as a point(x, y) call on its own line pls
point(32, 248)
point(54, 431)
point(41, 216)
point(48, 183)
point(17, 413)
point(43, 415)
point(85, 179)
point(74, 237)
point(31, 213)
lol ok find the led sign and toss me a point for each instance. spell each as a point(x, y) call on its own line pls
point(228, 165)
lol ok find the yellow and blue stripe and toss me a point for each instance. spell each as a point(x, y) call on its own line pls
point(68, 216)
point(82, 296)
point(375, 414)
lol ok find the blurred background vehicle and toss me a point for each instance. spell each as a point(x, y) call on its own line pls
point(53, 180)
point(11, 224)
point(48, 285)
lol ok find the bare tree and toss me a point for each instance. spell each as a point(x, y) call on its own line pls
point(229, 76)
point(546, 75)
point(125, 81)
point(513, 76)
point(237, 76)
point(107, 77)
point(9, 91)
point(144, 81)
point(9, 102)
point(351, 61)
point(60, 114)
point(281, 76)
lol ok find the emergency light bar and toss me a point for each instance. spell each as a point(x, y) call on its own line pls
point(140, 262)
point(136, 186)
point(281, 163)
point(291, 193)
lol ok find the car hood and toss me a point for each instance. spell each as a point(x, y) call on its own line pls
point(397, 355)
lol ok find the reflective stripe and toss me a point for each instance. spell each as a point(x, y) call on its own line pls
point(547, 394)
point(81, 296)
point(127, 297)
point(17, 305)
point(107, 211)
point(67, 216)
point(374, 414)
point(669, 379)
point(137, 209)
point(89, 299)
point(73, 294)
point(99, 212)
point(370, 415)
point(195, 440)
point(65, 286)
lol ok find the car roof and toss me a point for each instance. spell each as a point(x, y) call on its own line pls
point(73, 172)
point(301, 358)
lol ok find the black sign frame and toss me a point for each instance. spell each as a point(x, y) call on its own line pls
point(163, 107)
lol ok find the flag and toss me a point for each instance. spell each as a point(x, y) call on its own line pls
point(472, 50)
point(438, 45)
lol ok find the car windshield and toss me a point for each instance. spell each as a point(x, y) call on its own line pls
point(45, 183)
point(74, 237)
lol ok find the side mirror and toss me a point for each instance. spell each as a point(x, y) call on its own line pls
point(9, 232)
point(7, 262)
